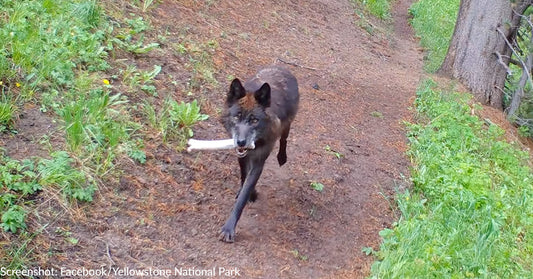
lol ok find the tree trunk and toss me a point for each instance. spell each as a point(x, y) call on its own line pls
point(476, 40)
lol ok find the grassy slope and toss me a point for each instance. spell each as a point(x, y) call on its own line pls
point(470, 211)
point(433, 21)
point(378, 8)
point(59, 61)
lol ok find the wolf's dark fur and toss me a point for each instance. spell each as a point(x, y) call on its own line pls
point(257, 114)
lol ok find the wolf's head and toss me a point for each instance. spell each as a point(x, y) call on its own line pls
point(246, 118)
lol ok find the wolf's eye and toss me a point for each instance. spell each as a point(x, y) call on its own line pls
point(254, 120)
point(237, 116)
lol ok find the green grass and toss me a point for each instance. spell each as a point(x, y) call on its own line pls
point(20, 180)
point(379, 8)
point(470, 212)
point(8, 112)
point(59, 172)
point(434, 21)
point(141, 80)
point(174, 120)
point(53, 54)
point(96, 125)
point(63, 57)
point(46, 50)
point(50, 58)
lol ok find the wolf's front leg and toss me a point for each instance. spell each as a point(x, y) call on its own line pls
point(228, 230)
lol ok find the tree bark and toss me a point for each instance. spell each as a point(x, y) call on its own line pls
point(472, 58)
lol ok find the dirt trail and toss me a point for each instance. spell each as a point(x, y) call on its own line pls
point(355, 91)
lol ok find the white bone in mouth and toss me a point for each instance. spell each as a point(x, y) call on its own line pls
point(210, 144)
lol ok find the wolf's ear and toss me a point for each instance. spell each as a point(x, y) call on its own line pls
point(236, 91)
point(262, 96)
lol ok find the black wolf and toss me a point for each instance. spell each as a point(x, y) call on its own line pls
point(257, 115)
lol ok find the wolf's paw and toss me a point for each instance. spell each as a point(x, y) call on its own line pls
point(227, 235)
point(282, 158)
point(253, 196)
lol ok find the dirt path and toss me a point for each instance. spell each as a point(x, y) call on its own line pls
point(355, 91)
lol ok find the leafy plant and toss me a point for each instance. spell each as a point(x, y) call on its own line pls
point(13, 219)
point(317, 186)
point(17, 181)
point(142, 80)
point(135, 152)
point(376, 114)
point(67, 235)
point(128, 40)
point(337, 154)
point(53, 53)
point(185, 115)
point(368, 251)
point(18, 176)
point(6, 200)
point(48, 48)
point(175, 120)
point(146, 5)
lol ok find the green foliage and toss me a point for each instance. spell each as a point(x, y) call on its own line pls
point(58, 172)
point(434, 21)
point(46, 40)
point(185, 115)
point(95, 125)
point(378, 8)
point(175, 120)
point(8, 111)
point(92, 120)
point(470, 211)
point(337, 154)
point(469, 214)
point(18, 253)
point(53, 53)
point(141, 80)
point(135, 151)
point(13, 219)
point(67, 235)
point(19, 180)
point(128, 40)
point(317, 186)
point(145, 6)
point(299, 256)
point(376, 114)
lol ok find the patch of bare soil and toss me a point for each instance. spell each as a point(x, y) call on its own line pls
point(35, 132)
point(355, 90)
